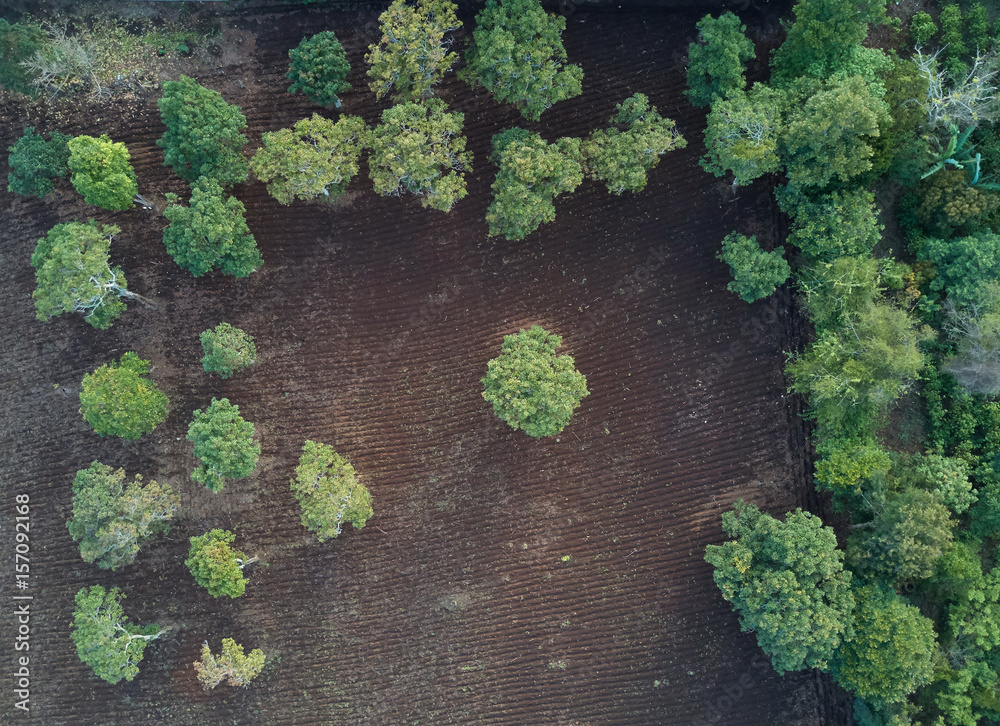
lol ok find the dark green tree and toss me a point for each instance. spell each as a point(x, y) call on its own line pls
point(517, 54)
point(227, 350)
point(328, 492)
point(756, 273)
point(742, 134)
point(18, 44)
point(223, 442)
point(35, 162)
point(102, 172)
point(952, 41)
point(216, 566)
point(716, 62)
point(319, 69)
point(830, 226)
point(119, 400)
point(965, 266)
point(977, 24)
point(922, 28)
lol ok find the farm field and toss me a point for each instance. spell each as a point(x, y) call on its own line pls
point(503, 579)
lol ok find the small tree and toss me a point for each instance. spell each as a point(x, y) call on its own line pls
point(119, 400)
point(517, 54)
point(716, 64)
point(227, 350)
point(232, 665)
point(319, 69)
point(419, 148)
point(621, 156)
point(210, 233)
point(203, 136)
point(328, 492)
point(223, 443)
point(756, 273)
point(530, 387)
point(216, 566)
point(73, 275)
point(35, 162)
point(104, 638)
point(922, 29)
point(112, 519)
point(317, 159)
point(413, 53)
point(102, 172)
point(742, 134)
point(532, 173)
point(835, 225)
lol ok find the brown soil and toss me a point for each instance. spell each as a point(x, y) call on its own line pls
point(503, 580)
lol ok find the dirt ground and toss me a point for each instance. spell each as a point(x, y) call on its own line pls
point(503, 580)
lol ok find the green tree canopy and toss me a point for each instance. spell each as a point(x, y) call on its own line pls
point(847, 465)
point(232, 665)
point(716, 63)
point(413, 53)
point(119, 400)
point(328, 492)
point(517, 54)
point(966, 266)
point(203, 136)
point(621, 155)
point(419, 148)
point(317, 159)
point(922, 28)
point(35, 162)
point(743, 132)
point(837, 291)
point(756, 273)
point(227, 350)
point(530, 387)
point(319, 69)
point(210, 233)
point(104, 638)
point(532, 173)
point(832, 225)
point(223, 442)
point(112, 519)
point(216, 566)
point(102, 172)
point(788, 583)
point(19, 42)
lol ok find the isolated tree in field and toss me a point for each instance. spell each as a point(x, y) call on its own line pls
point(517, 54)
point(530, 387)
point(532, 173)
point(210, 233)
point(788, 583)
point(203, 136)
point(35, 162)
point(317, 159)
point(328, 492)
point(112, 519)
point(319, 69)
point(227, 350)
point(831, 226)
point(742, 134)
point(419, 148)
point(717, 62)
point(216, 566)
point(621, 155)
point(223, 443)
point(232, 665)
point(756, 273)
point(413, 53)
point(104, 638)
point(73, 275)
point(102, 172)
point(119, 400)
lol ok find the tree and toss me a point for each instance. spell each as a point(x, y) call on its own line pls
point(413, 53)
point(976, 332)
point(830, 226)
point(951, 39)
point(836, 292)
point(787, 581)
point(203, 136)
point(119, 400)
point(104, 638)
point(72, 274)
point(317, 159)
point(35, 162)
point(890, 654)
point(319, 69)
point(756, 273)
point(716, 63)
point(227, 350)
point(233, 666)
point(959, 100)
point(419, 148)
point(742, 134)
point(966, 266)
point(922, 28)
point(112, 519)
point(19, 42)
point(946, 477)
point(847, 465)
point(621, 156)
point(102, 172)
point(517, 54)
point(210, 233)
point(216, 566)
point(977, 22)
point(328, 492)
point(530, 387)
point(223, 443)
point(532, 173)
